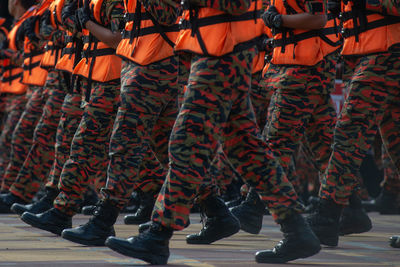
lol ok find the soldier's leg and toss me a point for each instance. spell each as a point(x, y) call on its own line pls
point(23, 134)
point(21, 143)
point(71, 114)
point(370, 92)
point(41, 155)
point(152, 173)
point(209, 108)
point(147, 91)
point(89, 148)
point(387, 202)
point(14, 108)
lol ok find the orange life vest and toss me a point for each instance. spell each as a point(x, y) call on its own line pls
point(144, 40)
point(303, 47)
point(210, 32)
point(367, 32)
point(97, 55)
point(53, 52)
point(12, 74)
point(71, 53)
point(33, 74)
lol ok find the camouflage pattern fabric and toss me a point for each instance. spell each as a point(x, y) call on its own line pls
point(148, 102)
point(301, 106)
point(14, 108)
point(221, 172)
point(89, 147)
point(38, 163)
point(215, 109)
point(22, 135)
point(372, 104)
point(3, 103)
point(71, 115)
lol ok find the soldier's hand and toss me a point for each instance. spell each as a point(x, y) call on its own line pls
point(83, 16)
point(29, 28)
point(68, 11)
point(272, 18)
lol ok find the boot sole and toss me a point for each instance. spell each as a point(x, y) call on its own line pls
point(329, 241)
point(286, 259)
point(216, 238)
point(17, 210)
point(251, 228)
point(359, 230)
point(46, 227)
point(144, 256)
point(72, 238)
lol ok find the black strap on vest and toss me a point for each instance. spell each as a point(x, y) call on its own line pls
point(296, 38)
point(11, 78)
point(364, 25)
point(31, 66)
point(194, 22)
point(98, 52)
point(137, 31)
point(93, 53)
point(322, 33)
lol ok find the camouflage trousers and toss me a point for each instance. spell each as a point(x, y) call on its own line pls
point(216, 109)
point(71, 115)
point(15, 106)
point(301, 107)
point(221, 172)
point(89, 147)
point(3, 105)
point(372, 104)
point(144, 121)
point(22, 135)
point(36, 167)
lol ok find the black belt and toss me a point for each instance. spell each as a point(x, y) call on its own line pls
point(11, 78)
point(31, 66)
point(98, 52)
point(212, 20)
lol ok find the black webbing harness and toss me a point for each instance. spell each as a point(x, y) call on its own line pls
point(296, 38)
point(361, 23)
point(195, 23)
point(137, 17)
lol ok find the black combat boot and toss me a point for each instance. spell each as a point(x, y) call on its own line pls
point(250, 213)
point(312, 204)
point(219, 223)
point(52, 220)
point(143, 213)
point(395, 241)
point(298, 241)
point(325, 222)
point(354, 219)
point(89, 210)
point(144, 226)
point(386, 203)
point(235, 202)
point(7, 200)
point(97, 229)
point(151, 246)
point(43, 204)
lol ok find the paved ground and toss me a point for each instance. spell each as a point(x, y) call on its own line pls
point(22, 245)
